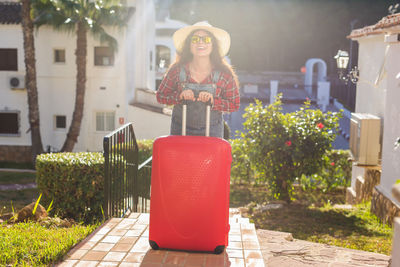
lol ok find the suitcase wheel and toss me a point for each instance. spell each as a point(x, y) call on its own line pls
point(219, 249)
point(153, 245)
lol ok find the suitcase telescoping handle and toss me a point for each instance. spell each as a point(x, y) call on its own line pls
point(184, 111)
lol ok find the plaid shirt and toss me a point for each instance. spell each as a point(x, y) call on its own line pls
point(226, 97)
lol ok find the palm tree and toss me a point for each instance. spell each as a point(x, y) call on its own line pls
point(82, 17)
point(31, 87)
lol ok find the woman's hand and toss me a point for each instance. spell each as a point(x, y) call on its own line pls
point(205, 97)
point(187, 95)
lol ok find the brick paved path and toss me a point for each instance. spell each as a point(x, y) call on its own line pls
point(124, 242)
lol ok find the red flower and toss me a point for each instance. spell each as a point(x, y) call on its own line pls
point(333, 163)
point(320, 125)
point(288, 143)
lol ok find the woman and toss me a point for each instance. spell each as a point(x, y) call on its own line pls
point(200, 75)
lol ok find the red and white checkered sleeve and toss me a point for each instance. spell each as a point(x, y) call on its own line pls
point(229, 100)
point(168, 91)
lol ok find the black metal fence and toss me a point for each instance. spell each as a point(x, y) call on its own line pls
point(126, 187)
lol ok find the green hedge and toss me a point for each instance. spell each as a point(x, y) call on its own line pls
point(74, 182)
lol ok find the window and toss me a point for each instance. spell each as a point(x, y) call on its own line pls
point(59, 55)
point(60, 122)
point(9, 59)
point(9, 123)
point(163, 57)
point(103, 56)
point(105, 121)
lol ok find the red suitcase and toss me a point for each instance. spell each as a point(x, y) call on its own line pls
point(189, 204)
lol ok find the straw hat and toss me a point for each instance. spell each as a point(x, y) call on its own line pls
point(223, 38)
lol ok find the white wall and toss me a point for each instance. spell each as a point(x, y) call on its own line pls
point(370, 58)
point(14, 100)
point(381, 99)
point(391, 157)
point(145, 45)
point(155, 124)
point(57, 82)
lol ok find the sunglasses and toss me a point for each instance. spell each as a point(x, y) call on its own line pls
point(205, 39)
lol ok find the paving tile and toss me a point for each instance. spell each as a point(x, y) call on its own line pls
point(103, 247)
point(235, 238)
point(146, 233)
point(134, 215)
point(252, 254)
point(251, 245)
point(150, 264)
point(244, 220)
point(103, 231)
point(85, 245)
point(86, 264)
point(249, 238)
point(122, 247)
point(129, 264)
point(175, 257)
point(144, 218)
point(194, 259)
point(215, 260)
point(67, 263)
point(235, 245)
point(140, 227)
point(235, 262)
point(134, 257)
point(94, 255)
point(234, 253)
point(255, 263)
point(96, 238)
point(77, 254)
point(142, 245)
point(111, 239)
point(155, 256)
point(135, 232)
point(108, 263)
point(128, 240)
point(126, 224)
point(115, 220)
point(114, 256)
point(248, 226)
point(249, 232)
point(118, 232)
point(235, 231)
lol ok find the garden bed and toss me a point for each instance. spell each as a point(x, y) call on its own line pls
point(316, 216)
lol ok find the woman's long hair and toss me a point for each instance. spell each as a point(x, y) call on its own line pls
point(217, 60)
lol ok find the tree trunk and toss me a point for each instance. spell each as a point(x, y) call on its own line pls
point(283, 189)
point(80, 53)
point(31, 87)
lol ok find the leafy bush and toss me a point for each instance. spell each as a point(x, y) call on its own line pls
point(75, 183)
point(285, 146)
point(336, 172)
point(145, 149)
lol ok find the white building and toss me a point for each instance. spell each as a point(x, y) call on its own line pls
point(378, 93)
point(116, 89)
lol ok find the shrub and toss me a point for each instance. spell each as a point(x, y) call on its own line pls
point(285, 146)
point(336, 172)
point(75, 183)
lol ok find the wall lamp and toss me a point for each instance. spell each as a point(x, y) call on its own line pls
point(342, 60)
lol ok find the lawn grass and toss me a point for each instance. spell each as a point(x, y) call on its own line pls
point(314, 217)
point(30, 244)
point(17, 178)
point(16, 165)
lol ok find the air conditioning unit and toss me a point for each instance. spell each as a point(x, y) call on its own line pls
point(365, 138)
point(16, 82)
